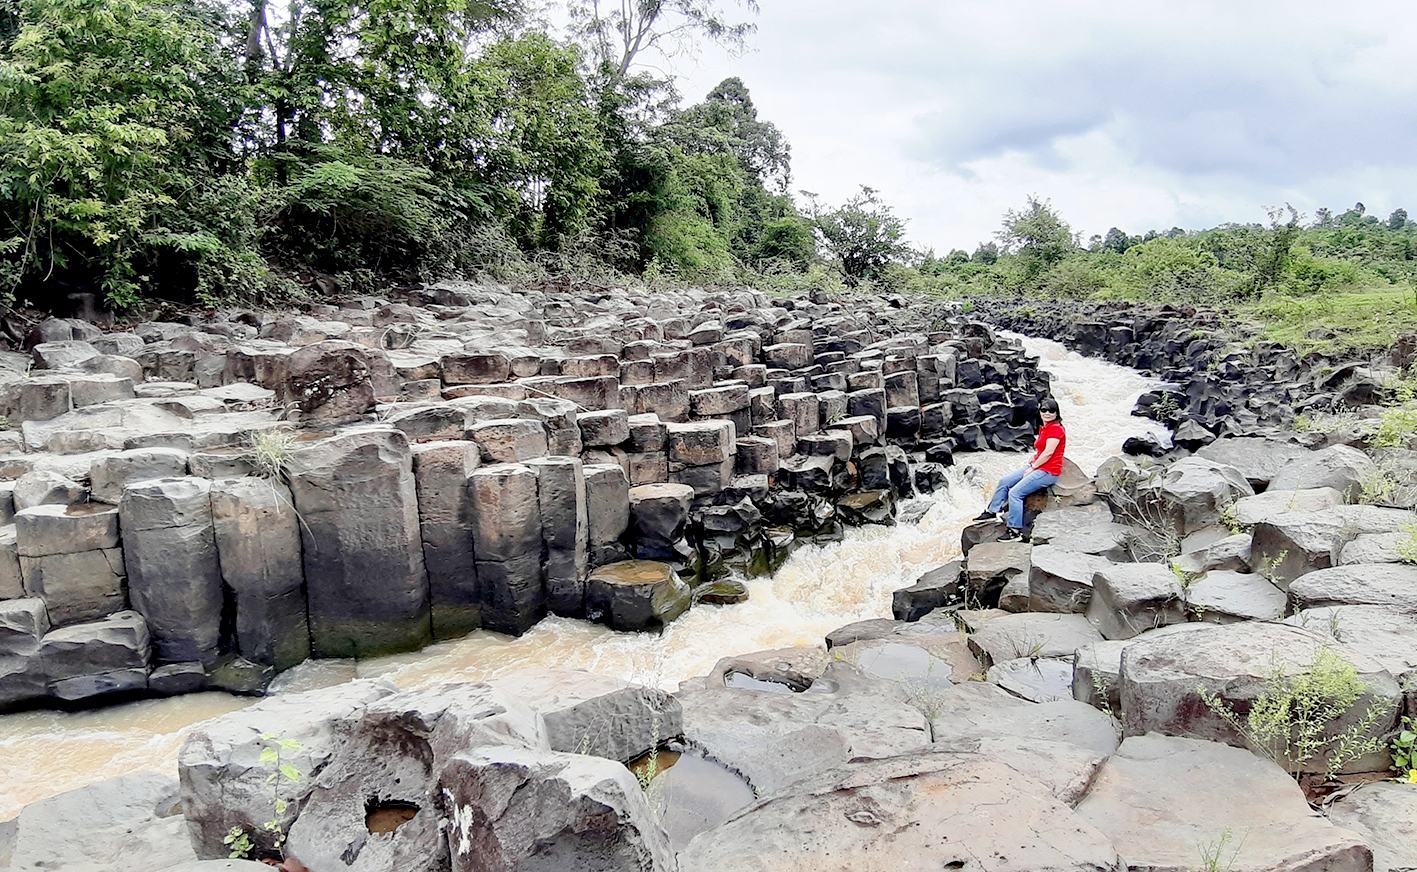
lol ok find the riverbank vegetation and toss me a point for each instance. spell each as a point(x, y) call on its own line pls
point(275, 151)
point(1337, 282)
point(203, 150)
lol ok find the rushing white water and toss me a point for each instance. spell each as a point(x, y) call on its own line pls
point(821, 587)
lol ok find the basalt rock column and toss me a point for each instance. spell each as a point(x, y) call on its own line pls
point(174, 579)
point(69, 555)
point(565, 527)
point(364, 573)
point(507, 540)
point(258, 543)
point(443, 471)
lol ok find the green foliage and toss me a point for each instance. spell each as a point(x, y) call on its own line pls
point(1037, 235)
point(863, 235)
point(181, 149)
point(269, 452)
point(1407, 546)
point(114, 115)
point(1396, 428)
point(1294, 718)
point(239, 841)
point(1404, 750)
point(1338, 285)
point(1220, 855)
point(1073, 278)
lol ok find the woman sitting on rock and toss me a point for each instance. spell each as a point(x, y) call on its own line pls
point(1042, 471)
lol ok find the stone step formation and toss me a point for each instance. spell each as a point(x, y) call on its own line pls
point(1038, 704)
point(203, 503)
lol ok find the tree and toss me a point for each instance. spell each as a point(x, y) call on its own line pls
point(727, 122)
point(1037, 235)
point(864, 235)
point(115, 117)
point(616, 37)
point(1118, 241)
point(987, 253)
point(1397, 220)
point(1276, 255)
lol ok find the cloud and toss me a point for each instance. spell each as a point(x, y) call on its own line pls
point(1153, 114)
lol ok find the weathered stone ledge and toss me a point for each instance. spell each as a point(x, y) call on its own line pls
point(1038, 704)
point(203, 504)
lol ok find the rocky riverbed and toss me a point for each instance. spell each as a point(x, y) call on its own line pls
point(1032, 706)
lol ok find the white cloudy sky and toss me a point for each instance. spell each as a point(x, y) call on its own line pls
point(1135, 114)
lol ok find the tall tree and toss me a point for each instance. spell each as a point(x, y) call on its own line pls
point(863, 235)
point(619, 32)
point(1037, 234)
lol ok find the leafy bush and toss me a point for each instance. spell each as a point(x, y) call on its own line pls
point(1293, 720)
point(111, 112)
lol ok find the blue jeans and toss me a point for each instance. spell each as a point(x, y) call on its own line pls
point(1014, 487)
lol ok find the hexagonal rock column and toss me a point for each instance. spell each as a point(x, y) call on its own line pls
point(607, 511)
point(69, 555)
point(174, 579)
point(258, 544)
point(953, 808)
point(565, 529)
point(636, 595)
point(221, 786)
point(507, 541)
point(107, 656)
point(1130, 598)
point(364, 575)
point(388, 757)
point(659, 515)
point(443, 474)
point(515, 808)
point(701, 455)
point(22, 624)
point(597, 715)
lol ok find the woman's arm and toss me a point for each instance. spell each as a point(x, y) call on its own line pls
point(1048, 448)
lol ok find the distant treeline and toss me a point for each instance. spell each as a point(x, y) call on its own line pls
point(1036, 252)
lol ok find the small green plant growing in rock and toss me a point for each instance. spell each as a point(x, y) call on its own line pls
point(239, 842)
point(273, 748)
point(1293, 718)
point(1185, 579)
point(1220, 855)
point(646, 773)
point(1231, 520)
point(1407, 545)
point(1395, 428)
point(1269, 567)
point(269, 452)
point(1378, 485)
point(1404, 751)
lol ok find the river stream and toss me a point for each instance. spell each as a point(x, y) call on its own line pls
point(820, 588)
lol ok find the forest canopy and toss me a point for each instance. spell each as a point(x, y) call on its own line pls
point(212, 151)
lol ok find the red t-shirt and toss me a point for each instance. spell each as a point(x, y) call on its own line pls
point(1053, 430)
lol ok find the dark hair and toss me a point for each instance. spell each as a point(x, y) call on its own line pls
point(1050, 405)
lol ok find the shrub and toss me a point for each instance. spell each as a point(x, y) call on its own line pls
point(1294, 717)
